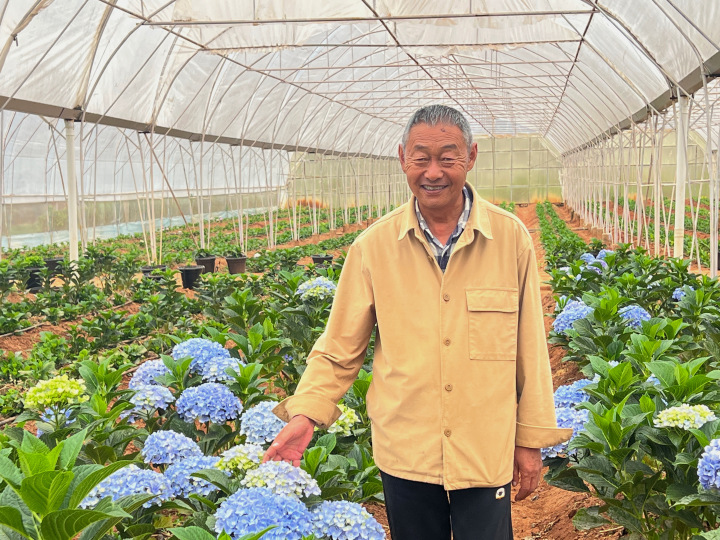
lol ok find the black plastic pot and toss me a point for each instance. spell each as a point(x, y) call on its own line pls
point(190, 274)
point(236, 265)
point(52, 264)
point(147, 270)
point(34, 280)
point(322, 260)
point(206, 262)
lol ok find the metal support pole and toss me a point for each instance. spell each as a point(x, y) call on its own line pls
point(72, 200)
point(681, 174)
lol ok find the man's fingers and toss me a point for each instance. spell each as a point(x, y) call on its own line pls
point(516, 475)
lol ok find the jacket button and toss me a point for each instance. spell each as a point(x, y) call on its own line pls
point(448, 387)
point(447, 432)
point(446, 342)
point(446, 297)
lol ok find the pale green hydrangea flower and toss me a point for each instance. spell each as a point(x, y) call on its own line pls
point(60, 391)
point(343, 425)
point(240, 459)
point(684, 416)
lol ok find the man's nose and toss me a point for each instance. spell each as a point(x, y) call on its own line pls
point(434, 171)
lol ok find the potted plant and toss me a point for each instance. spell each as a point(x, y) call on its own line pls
point(322, 259)
point(32, 272)
point(147, 270)
point(205, 258)
point(236, 260)
point(189, 275)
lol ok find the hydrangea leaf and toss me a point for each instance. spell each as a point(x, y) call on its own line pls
point(65, 524)
point(12, 518)
point(589, 518)
point(45, 492)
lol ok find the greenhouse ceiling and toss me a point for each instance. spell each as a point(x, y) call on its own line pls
point(342, 76)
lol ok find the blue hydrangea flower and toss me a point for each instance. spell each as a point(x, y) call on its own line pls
point(129, 480)
point(344, 520)
point(679, 293)
point(147, 399)
point(209, 402)
point(168, 447)
point(215, 369)
point(592, 268)
point(570, 395)
point(319, 287)
point(147, 374)
point(634, 315)
point(709, 466)
point(604, 253)
point(200, 350)
point(249, 511)
point(259, 424)
point(573, 311)
point(587, 258)
point(567, 417)
point(282, 478)
point(182, 484)
point(652, 379)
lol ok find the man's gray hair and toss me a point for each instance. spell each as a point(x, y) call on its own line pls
point(433, 115)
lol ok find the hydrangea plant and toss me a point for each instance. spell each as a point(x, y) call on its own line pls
point(320, 288)
point(573, 311)
point(130, 480)
point(684, 416)
point(58, 392)
point(250, 511)
point(215, 369)
point(634, 315)
point(709, 466)
point(570, 395)
point(168, 447)
point(209, 402)
point(182, 484)
point(567, 417)
point(344, 520)
point(259, 424)
point(147, 374)
point(343, 425)
point(240, 459)
point(201, 351)
point(147, 399)
point(282, 478)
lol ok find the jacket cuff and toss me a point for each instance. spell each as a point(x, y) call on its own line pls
point(322, 411)
point(540, 436)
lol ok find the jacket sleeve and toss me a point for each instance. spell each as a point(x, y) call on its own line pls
point(536, 423)
point(339, 353)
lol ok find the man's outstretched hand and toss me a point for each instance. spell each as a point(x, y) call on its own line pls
point(292, 441)
point(526, 470)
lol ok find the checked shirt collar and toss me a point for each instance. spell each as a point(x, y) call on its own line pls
point(442, 252)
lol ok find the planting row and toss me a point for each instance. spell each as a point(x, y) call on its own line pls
point(646, 334)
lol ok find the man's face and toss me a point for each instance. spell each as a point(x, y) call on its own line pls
point(436, 161)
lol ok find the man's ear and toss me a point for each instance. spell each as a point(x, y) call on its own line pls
point(401, 155)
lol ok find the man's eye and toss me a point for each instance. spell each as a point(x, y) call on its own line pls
point(421, 161)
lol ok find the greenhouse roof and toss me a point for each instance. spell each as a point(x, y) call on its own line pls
point(342, 76)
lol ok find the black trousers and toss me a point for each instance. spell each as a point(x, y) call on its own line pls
point(421, 511)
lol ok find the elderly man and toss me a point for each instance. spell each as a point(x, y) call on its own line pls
point(461, 398)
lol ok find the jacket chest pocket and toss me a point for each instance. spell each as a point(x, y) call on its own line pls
point(492, 323)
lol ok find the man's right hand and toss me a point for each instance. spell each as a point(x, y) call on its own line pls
point(292, 441)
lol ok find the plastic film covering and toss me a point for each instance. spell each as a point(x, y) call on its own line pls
point(343, 76)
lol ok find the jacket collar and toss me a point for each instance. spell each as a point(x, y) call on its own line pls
point(479, 219)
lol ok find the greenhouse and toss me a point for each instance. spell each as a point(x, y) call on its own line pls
point(181, 182)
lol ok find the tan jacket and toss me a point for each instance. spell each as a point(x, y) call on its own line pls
point(461, 373)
